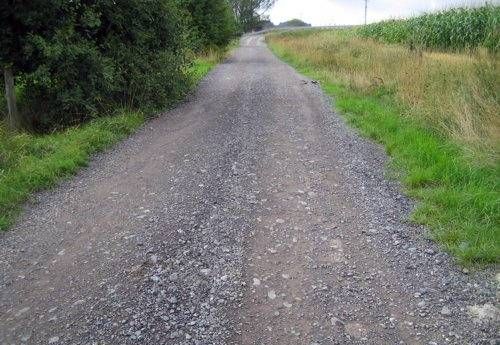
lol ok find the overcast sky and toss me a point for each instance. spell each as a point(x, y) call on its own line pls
point(339, 12)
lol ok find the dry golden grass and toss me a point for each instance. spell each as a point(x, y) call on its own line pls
point(455, 94)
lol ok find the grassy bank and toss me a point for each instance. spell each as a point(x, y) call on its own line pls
point(29, 163)
point(437, 115)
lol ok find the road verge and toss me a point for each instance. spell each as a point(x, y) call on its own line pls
point(458, 199)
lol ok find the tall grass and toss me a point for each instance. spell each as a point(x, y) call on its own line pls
point(455, 29)
point(436, 113)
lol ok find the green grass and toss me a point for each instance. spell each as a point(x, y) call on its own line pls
point(30, 163)
point(200, 69)
point(458, 200)
point(205, 62)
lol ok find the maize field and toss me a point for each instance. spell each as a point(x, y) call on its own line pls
point(454, 29)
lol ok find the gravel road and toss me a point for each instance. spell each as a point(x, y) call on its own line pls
point(250, 214)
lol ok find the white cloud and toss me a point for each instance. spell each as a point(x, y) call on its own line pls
point(343, 12)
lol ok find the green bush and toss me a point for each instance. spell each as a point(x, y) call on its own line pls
point(77, 59)
point(212, 23)
point(455, 29)
point(148, 43)
point(69, 84)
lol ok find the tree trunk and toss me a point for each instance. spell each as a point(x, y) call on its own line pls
point(14, 120)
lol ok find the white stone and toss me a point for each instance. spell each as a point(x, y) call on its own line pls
point(53, 340)
point(271, 294)
point(484, 313)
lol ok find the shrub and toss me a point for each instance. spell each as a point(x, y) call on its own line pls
point(148, 43)
point(75, 59)
point(69, 84)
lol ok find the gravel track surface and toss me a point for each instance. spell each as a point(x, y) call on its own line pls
point(250, 214)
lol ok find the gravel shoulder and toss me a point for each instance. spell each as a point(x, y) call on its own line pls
point(250, 214)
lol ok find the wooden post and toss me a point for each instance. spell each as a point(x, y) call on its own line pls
point(10, 95)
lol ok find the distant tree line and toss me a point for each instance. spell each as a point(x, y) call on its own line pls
point(294, 23)
point(74, 60)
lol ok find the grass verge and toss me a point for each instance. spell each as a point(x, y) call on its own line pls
point(458, 199)
point(206, 61)
point(29, 162)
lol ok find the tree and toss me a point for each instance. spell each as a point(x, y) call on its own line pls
point(294, 23)
point(213, 22)
point(249, 12)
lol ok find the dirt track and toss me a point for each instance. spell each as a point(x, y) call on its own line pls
point(250, 214)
